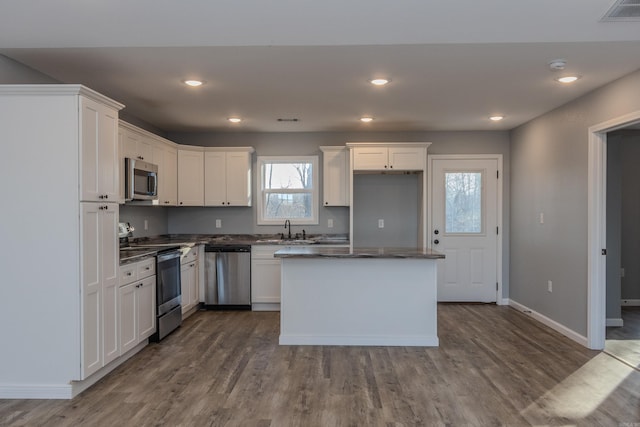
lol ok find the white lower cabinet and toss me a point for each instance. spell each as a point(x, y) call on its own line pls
point(137, 303)
point(189, 274)
point(265, 277)
point(99, 283)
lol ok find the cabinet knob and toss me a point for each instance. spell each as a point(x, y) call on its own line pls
point(391, 167)
point(326, 203)
point(385, 166)
point(106, 196)
point(435, 242)
point(129, 274)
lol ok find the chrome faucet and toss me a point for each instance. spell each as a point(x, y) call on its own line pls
point(287, 222)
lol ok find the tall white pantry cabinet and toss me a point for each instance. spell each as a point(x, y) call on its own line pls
point(59, 180)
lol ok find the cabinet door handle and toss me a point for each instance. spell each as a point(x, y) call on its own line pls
point(129, 274)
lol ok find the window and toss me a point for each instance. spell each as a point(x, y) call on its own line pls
point(463, 202)
point(288, 190)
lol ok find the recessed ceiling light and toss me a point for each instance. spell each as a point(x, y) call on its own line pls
point(567, 79)
point(234, 119)
point(193, 83)
point(496, 118)
point(366, 119)
point(379, 82)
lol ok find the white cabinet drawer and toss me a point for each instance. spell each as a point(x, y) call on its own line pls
point(264, 251)
point(146, 268)
point(128, 273)
point(189, 255)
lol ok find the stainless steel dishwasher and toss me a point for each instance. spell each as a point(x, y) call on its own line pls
point(227, 277)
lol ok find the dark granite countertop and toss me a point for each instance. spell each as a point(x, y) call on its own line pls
point(345, 252)
point(138, 251)
point(239, 239)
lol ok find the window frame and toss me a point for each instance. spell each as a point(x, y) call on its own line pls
point(314, 191)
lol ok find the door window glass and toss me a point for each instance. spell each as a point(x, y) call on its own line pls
point(463, 202)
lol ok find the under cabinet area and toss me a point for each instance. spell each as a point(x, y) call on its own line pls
point(137, 303)
point(189, 280)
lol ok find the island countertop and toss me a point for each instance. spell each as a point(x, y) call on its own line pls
point(351, 253)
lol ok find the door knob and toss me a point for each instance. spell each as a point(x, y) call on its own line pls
point(435, 242)
point(436, 232)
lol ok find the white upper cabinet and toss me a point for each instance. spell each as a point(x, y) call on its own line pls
point(190, 178)
point(99, 152)
point(335, 176)
point(227, 177)
point(166, 157)
point(381, 157)
point(137, 146)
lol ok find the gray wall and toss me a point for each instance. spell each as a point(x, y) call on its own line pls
point(13, 72)
point(155, 216)
point(392, 198)
point(549, 171)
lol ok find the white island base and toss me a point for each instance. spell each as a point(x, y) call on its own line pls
point(358, 301)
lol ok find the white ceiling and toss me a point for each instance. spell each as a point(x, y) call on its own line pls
point(452, 63)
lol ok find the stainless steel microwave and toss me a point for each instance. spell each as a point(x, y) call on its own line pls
point(141, 180)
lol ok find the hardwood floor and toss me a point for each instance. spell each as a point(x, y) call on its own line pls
point(494, 366)
point(624, 343)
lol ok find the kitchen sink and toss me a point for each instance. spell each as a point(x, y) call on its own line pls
point(287, 241)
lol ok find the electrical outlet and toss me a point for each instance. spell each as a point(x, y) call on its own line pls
point(381, 223)
point(541, 217)
point(218, 223)
point(146, 224)
point(330, 223)
point(550, 286)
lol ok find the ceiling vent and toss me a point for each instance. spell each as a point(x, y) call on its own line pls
point(623, 10)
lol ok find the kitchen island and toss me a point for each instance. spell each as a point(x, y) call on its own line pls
point(358, 296)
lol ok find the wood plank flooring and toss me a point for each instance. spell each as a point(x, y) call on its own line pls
point(624, 343)
point(495, 366)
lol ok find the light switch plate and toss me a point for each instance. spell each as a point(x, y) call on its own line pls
point(218, 223)
point(381, 223)
point(330, 223)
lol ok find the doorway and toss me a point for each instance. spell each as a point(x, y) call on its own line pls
point(465, 224)
point(623, 246)
point(597, 236)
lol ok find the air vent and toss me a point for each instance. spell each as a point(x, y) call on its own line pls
point(623, 10)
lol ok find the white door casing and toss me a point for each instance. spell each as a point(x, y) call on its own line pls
point(467, 228)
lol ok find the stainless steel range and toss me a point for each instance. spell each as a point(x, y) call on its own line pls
point(168, 283)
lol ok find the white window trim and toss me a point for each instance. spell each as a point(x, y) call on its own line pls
point(314, 220)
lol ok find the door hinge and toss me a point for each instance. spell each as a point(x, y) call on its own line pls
point(498, 230)
point(604, 252)
point(498, 174)
point(496, 286)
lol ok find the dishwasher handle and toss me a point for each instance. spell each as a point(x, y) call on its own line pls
point(227, 248)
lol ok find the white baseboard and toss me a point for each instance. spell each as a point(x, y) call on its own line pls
point(36, 391)
point(503, 301)
point(617, 323)
point(569, 333)
point(63, 391)
point(630, 302)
